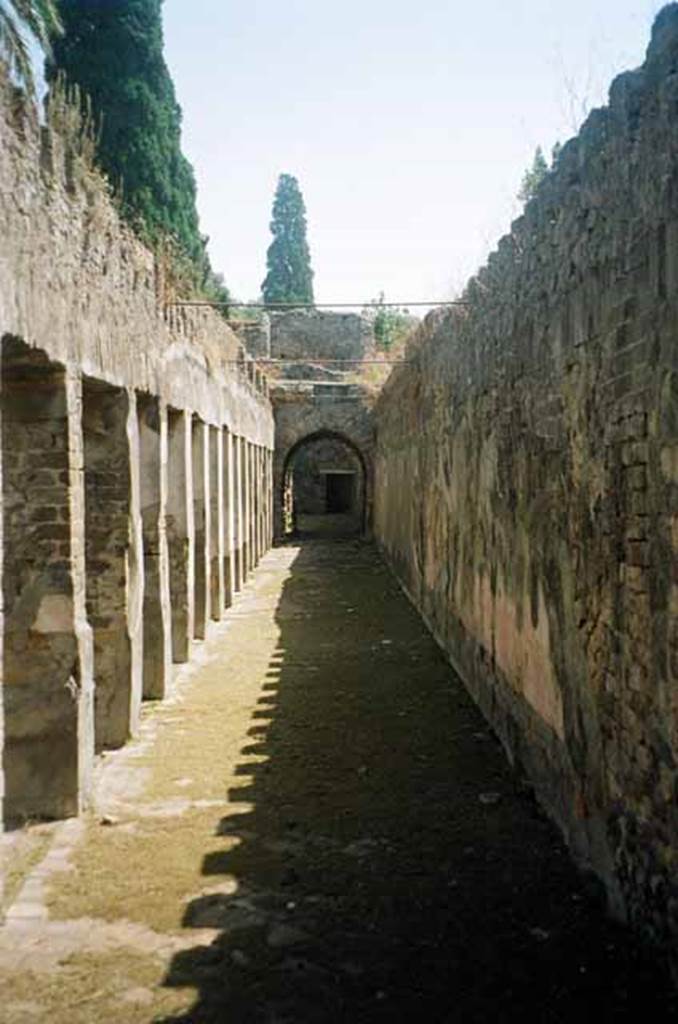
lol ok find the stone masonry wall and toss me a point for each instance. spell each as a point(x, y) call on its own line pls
point(107, 578)
point(527, 488)
point(310, 333)
point(42, 674)
point(76, 282)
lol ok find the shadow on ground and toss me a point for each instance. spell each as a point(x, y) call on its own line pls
point(328, 526)
point(390, 867)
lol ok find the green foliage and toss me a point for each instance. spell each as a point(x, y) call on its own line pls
point(288, 260)
point(113, 51)
point(41, 19)
point(391, 325)
point(533, 177)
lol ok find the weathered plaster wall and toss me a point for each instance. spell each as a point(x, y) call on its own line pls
point(114, 505)
point(527, 487)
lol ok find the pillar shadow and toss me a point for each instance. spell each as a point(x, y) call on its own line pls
point(387, 865)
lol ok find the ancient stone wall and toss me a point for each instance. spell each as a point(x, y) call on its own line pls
point(255, 335)
point(119, 418)
point(527, 488)
point(309, 333)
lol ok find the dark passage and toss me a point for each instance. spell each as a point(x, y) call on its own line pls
point(411, 872)
point(339, 492)
point(325, 489)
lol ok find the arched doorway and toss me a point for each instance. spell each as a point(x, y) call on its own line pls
point(324, 487)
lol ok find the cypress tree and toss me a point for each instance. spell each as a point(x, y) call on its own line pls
point(40, 18)
point(113, 50)
point(288, 260)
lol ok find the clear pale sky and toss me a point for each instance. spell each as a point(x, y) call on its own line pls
point(408, 124)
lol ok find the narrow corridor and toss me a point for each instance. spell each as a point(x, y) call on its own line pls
point(317, 826)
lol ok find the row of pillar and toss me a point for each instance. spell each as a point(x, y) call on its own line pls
point(127, 526)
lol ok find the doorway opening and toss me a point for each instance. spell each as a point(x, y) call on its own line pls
point(324, 488)
point(339, 491)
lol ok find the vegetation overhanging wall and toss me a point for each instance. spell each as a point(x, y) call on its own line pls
point(77, 283)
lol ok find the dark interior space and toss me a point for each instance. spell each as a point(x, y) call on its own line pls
point(324, 489)
point(339, 492)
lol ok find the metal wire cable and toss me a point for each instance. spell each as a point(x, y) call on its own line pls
point(313, 305)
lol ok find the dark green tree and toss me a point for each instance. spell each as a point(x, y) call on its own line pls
point(288, 260)
point(113, 51)
point(41, 19)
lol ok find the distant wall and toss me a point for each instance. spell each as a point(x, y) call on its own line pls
point(309, 333)
point(527, 488)
point(255, 335)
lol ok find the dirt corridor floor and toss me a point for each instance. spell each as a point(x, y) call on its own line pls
point(317, 826)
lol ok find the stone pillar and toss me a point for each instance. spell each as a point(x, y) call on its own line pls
point(250, 519)
point(281, 496)
point(200, 520)
point(238, 504)
point(83, 632)
point(165, 596)
point(135, 562)
point(156, 628)
point(260, 535)
point(255, 505)
point(180, 532)
point(228, 516)
point(271, 500)
point(252, 507)
point(262, 500)
point(108, 494)
point(246, 550)
point(216, 522)
point(47, 650)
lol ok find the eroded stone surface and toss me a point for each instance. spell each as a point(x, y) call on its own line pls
point(525, 489)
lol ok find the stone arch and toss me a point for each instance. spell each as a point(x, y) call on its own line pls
point(322, 434)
